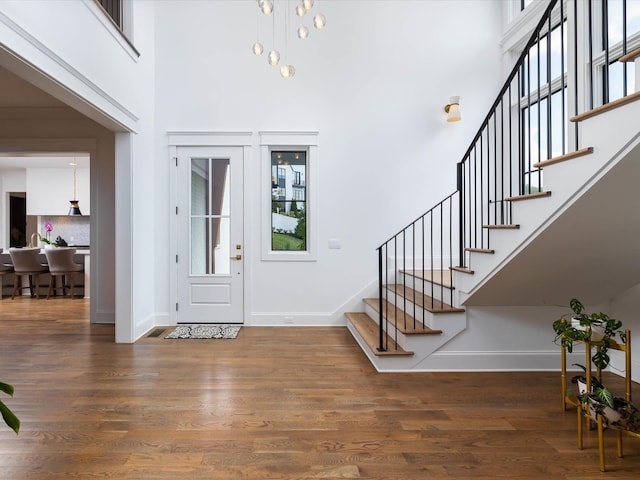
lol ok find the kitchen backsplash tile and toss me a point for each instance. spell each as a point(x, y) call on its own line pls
point(74, 230)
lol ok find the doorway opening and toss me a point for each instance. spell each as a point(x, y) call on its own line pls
point(38, 188)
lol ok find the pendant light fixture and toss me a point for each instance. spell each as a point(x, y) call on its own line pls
point(74, 209)
point(268, 8)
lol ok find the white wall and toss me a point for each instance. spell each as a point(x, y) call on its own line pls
point(373, 84)
point(44, 199)
point(81, 52)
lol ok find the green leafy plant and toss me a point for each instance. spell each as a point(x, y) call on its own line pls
point(567, 333)
point(9, 417)
point(595, 383)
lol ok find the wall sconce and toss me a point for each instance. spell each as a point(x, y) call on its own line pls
point(453, 109)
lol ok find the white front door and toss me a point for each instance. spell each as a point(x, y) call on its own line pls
point(209, 235)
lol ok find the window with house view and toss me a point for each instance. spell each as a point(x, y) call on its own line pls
point(288, 200)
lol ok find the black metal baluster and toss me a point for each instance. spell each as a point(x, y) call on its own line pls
point(590, 17)
point(380, 303)
point(423, 266)
point(563, 85)
point(605, 46)
point(413, 260)
point(575, 73)
point(624, 47)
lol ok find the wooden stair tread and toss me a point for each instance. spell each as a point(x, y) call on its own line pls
point(528, 196)
point(463, 270)
point(417, 298)
point(437, 277)
point(479, 250)
point(563, 158)
point(630, 56)
point(370, 333)
point(394, 315)
point(502, 226)
point(605, 108)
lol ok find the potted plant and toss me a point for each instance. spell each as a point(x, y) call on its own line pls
point(9, 417)
point(581, 381)
point(582, 327)
point(602, 402)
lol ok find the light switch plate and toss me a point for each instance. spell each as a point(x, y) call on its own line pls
point(334, 243)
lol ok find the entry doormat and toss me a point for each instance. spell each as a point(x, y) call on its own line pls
point(205, 331)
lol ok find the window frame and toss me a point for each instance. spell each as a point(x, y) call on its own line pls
point(289, 141)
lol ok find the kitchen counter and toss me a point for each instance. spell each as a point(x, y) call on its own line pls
point(82, 256)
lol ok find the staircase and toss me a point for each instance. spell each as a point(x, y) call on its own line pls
point(422, 323)
point(496, 240)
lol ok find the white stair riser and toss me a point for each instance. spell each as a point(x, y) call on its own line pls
point(369, 310)
point(420, 314)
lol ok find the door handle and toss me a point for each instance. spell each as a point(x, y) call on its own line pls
point(236, 257)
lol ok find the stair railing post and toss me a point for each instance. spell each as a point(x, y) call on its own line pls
point(380, 316)
point(460, 185)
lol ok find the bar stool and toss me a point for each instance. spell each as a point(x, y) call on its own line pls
point(62, 264)
point(5, 269)
point(26, 263)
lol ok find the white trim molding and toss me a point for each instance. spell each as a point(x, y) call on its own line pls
point(210, 139)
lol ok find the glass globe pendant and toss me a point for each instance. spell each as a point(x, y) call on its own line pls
point(300, 10)
point(266, 6)
point(274, 58)
point(319, 21)
point(257, 48)
point(307, 4)
point(303, 32)
point(287, 71)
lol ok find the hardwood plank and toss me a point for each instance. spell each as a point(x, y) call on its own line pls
point(275, 403)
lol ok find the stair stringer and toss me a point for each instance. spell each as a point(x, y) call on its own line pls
point(567, 182)
point(422, 346)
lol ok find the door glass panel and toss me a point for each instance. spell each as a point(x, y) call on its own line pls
point(199, 254)
point(222, 248)
point(199, 186)
point(210, 217)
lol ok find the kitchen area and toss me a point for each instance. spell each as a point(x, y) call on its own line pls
point(45, 203)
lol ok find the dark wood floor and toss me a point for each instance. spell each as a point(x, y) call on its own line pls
point(275, 403)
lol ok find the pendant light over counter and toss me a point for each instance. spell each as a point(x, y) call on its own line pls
point(74, 209)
